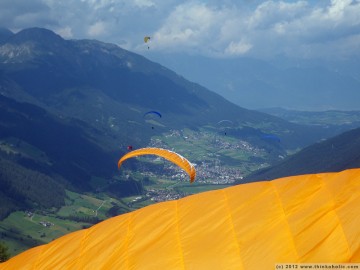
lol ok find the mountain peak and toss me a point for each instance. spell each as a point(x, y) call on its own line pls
point(28, 43)
point(36, 34)
point(5, 34)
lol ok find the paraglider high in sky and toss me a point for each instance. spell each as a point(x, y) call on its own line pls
point(177, 159)
point(146, 40)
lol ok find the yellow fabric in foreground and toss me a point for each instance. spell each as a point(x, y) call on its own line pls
point(309, 218)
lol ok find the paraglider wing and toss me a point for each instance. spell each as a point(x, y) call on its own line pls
point(152, 116)
point(153, 112)
point(146, 39)
point(226, 123)
point(167, 154)
point(271, 137)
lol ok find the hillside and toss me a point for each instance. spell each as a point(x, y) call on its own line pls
point(62, 144)
point(342, 119)
point(70, 108)
point(22, 188)
point(111, 88)
point(5, 34)
point(38, 148)
point(85, 101)
point(332, 155)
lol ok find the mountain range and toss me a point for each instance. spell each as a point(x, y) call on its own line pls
point(111, 88)
point(295, 84)
point(70, 108)
point(332, 155)
point(38, 150)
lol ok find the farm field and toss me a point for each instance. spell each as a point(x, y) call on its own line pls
point(25, 229)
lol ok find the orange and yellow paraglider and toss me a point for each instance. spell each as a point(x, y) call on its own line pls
point(177, 159)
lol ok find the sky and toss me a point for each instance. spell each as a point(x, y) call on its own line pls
point(213, 28)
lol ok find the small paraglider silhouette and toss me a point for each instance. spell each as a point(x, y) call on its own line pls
point(152, 115)
point(146, 40)
point(225, 125)
point(271, 137)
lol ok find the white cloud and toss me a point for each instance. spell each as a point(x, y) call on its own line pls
point(19, 14)
point(65, 32)
point(97, 29)
point(143, 3)
point(189, 25)
point(215, 27)
point(269, 13)
point(318, 30)
point(237, 48)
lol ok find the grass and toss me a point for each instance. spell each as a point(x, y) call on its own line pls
point(20, 231)
point(88, 205)
point(198, 188)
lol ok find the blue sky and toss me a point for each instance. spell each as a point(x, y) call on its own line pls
point(225, 29)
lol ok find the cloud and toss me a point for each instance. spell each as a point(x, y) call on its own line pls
point(270, 13)
point(65, 32)
point(97, 29)
point(321, 31)
point(121, 22)
point(189, 25)
point(293, 28)
point(143, 3)
point(217, 28)
point(238, 48)
point(19, 14)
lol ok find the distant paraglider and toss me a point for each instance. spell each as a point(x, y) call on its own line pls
point(271, 137)
point(177, 159)
point(225, 124)
point(146, 40)
point(152, 115)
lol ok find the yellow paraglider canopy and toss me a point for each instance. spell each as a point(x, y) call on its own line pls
point(146, 39)
point(167, 154)
point(300, 219)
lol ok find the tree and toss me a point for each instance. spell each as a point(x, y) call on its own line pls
point(4, 254)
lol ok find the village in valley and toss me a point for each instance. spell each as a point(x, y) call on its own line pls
point(205, 150)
